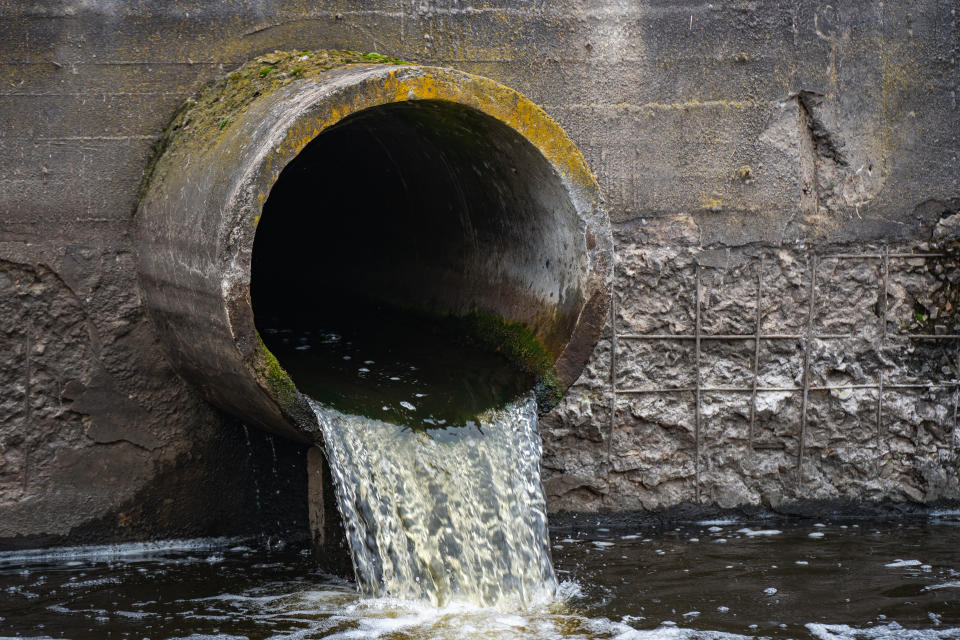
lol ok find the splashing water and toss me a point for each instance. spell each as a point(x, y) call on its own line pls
point(454, 515)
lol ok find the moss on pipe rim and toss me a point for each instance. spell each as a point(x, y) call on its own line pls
point(214, 110)
point(276, 378)
point(215, 165)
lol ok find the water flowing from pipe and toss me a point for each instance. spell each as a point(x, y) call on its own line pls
point(448, 515)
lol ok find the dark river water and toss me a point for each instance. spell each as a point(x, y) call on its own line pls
point(837, 578)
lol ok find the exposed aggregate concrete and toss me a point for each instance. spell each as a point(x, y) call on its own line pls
point(837, 444)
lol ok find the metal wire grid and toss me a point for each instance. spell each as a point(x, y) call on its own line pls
point(805, 338)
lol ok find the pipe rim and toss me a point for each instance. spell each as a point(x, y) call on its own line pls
point(283, 123)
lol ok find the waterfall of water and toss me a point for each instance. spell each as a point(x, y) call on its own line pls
point(454, 514)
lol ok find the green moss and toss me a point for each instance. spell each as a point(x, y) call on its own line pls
point(515, 342)
point(202, 116)
point(381, 58)
point(277, 379)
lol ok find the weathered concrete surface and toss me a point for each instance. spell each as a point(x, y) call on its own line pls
point(869, 330)
point(752, 126)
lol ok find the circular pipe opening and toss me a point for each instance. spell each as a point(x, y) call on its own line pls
point(360, 191)
point(393, 245)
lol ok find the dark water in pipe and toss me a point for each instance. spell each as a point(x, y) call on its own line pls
point(400, 367)
point(859, 579)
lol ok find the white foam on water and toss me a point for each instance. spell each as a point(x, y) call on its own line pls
point(95, 582)
point(903, 563)
point(889, 631)
point(127, 552)
point(945, 585)
point(341, 615)
point(568, 590)
point(750, 533)
point(945, 513)
point(718, 522)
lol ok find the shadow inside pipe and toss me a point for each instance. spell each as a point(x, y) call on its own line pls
point(399, 366)
point(415, 264)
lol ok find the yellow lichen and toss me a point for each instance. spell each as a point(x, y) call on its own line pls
point(711, 204)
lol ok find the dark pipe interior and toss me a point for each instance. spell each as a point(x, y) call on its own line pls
point(392, 219)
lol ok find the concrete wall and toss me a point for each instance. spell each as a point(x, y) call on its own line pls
point(741, 146)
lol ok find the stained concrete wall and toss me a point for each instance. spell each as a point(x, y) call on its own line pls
point(736, 144)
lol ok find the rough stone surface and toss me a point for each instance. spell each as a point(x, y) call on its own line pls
point(750, 138)
point(851, 394)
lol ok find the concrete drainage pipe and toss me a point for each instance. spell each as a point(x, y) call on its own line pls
point(436, 188)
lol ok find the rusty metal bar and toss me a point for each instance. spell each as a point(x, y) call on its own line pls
point(839, 387)
point(613, 363)
point(956, 402)
point(638, 391)
point(807, 344)
point(739, 336)
point(938, 385)
point(877, 348)
point(880, 256)
point(656, 336)
point(756, 354)
point(917, 255)
point(883, 293)
point(697, 426)
point(852, 256)
point(684, 336)
point(879, 421)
